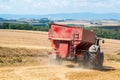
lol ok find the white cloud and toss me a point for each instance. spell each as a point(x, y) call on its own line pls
point(4, 1)
point(58, 6)
point(5, 7)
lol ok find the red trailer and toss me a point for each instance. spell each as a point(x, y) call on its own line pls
point(73, 43)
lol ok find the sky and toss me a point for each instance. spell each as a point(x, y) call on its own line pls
point(40, 7)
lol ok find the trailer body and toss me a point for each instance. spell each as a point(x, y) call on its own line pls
point(66, 39)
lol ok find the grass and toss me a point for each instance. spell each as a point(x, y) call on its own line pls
point(16, 38)
point(110, 46)
point(21, 56)
point(23, 49)
point(118, 53)
point(97, 75)
point(112, 57)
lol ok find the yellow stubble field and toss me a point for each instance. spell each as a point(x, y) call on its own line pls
point(36, 42)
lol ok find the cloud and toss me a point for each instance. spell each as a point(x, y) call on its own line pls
point(58, 6)
point(4, 0)
point(5, 7)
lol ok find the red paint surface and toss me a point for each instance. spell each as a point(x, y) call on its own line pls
point(58, 33)
point(57, 29)
point(68, 30)
point(63, 49)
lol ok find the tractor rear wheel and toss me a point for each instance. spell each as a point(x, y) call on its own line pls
point(89, 60)
point(96, 60)
point(100, 60)
point(86, 60)
point(93, 60)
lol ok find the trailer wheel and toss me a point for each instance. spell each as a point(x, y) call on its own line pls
point(55, 59)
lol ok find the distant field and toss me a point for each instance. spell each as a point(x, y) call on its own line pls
point(19, 38)
point(87, 23)
point(23, 56)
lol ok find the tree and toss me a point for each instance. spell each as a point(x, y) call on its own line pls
point(5, 26)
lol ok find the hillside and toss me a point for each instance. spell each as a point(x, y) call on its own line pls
point(23, 56)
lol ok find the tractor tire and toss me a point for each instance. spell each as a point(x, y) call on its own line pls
point(100, 60)
point(96, 60)
point(92, 60)
point(86, 60)
point(55, 59)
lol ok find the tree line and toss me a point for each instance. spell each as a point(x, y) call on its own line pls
point(105, 33)
point(100, 32)
point(19, 26)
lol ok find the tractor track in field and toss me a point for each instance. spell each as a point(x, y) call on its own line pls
point(45, 72)
point(60, 72)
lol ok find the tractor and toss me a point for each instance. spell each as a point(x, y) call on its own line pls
point(75, 43)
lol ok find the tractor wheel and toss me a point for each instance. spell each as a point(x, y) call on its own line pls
point(100, 60)
point(92, 61)
point(86, 60)
point(55, 59)
point(89, 60)
point(96, 60)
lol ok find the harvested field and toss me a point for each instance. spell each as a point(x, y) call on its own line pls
point(47, 72)
point(18, 38)
point(23, 56)
point(111, 46)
